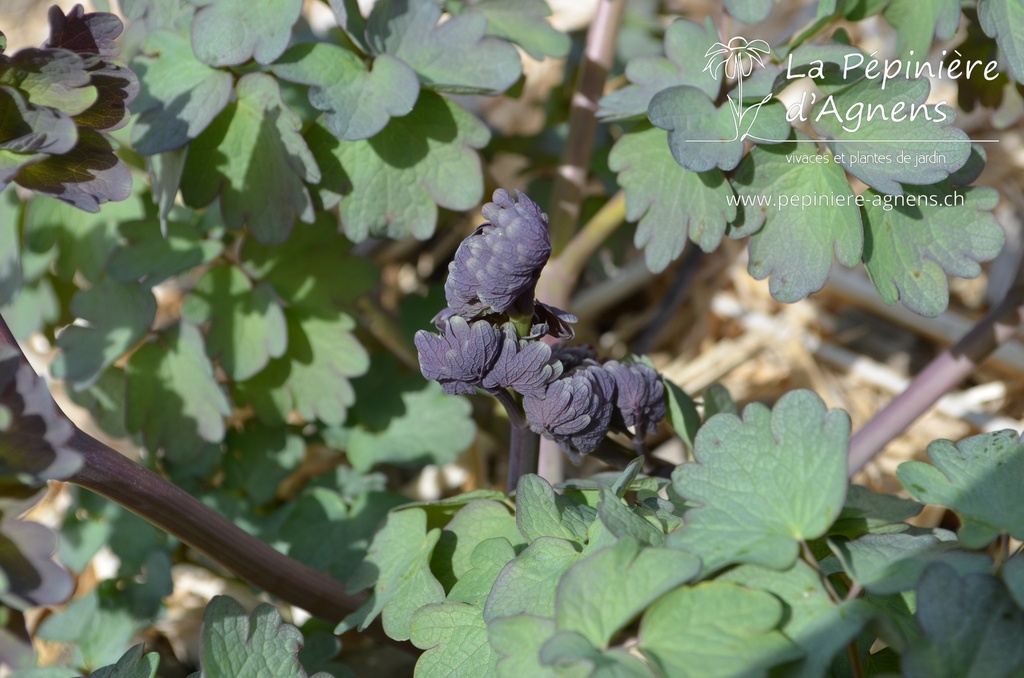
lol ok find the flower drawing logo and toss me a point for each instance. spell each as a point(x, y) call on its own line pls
point(737, 59)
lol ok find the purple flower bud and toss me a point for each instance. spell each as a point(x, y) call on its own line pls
point(524, 366)
point(574, 356)
point(500, 263)
point(639, 395)
point(461, 357)
point(575, 411)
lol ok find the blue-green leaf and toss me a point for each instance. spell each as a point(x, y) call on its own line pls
point(1004, 21)
point(230, 32)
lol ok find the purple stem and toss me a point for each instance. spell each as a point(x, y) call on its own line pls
point(165, 505)
point(941, 375)
point(524, 454)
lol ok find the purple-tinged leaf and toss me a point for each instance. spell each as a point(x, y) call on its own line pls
point(93, 33)
point(639, 395)
point(524, 366)
point(25, 128)
point(461, 357)
point(28, 575)
point(575, 411)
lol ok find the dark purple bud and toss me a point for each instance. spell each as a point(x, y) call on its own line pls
point(553, 321)
point(461, 357)
point(639, 395)
point(524, 366)
point(500, 263)
point(575, 410)
point(574, 356)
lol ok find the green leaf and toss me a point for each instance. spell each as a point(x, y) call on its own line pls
point(717, 399)
point(312, 377)
point(913, 241)
point(900, 115)
point(979, 477)
point(682, 411)
point(11, 277)
point(489, 558)
point(715, 629)
point(749, 11)
point(454, 636)
point(890, 563)
point(96, 632)
point(151, 257)
point(453, 56)
point(793, 243)
point(670, 202)
point(180, 95)
point(970, 625)
point(104, 400)
point(1013, 576)
point(518, 641)
point(29, 130)
point(358, 102)
point(813, 621)
point(117, 316)
point(430, 428)
point(255, 158)
point(398, 563)
point(523, 22)
point(259, 645)
point(135, 663)
point(247, 324)
point(621, 521)
point(702, 136)
point(867, 512)
point(1004, 21)
point(476, 522)
point(230, 32)
point(173, 399)
point(602, 593)
point(527, 584)
point(540, 512)
point(391, 185)
point(916, 22)
point(763, 483)
point(686, 43)
point(259, 458)
point(330, 278)
point(568, 650)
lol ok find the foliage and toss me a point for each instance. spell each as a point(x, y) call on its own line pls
point(197, 215)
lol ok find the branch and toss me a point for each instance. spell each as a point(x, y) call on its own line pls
point(173, 510)
point(941, 375)
point(598, 56)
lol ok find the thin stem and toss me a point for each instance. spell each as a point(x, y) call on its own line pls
point(598, 56)
point(523, 454)
point(813, 562)
point(941, 375)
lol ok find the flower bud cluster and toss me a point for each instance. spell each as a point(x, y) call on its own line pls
point(490, 339)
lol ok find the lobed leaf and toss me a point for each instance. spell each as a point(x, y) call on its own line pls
point(1004, 21)
point(230, 32)
point(763, 483)
point(669, 202)
point(180, 95)
point(173, 399)
point(489, 558)
point(523, 22)
point(527, 584)
point(685, 45)
point(392, 184)
point(28, 575)
point(921, 130)
point(518, 641)
point(715, 629)
point(247, 323)
point(258, 645)
point(117, 315)
point(750, 11)
point(793, 244)
point(358, 102)
point(253, 156)
point(979, 477)
point(478, 521)
point(135, 663)
point(910, 244)
point(453, 56)
point(917, 22)
point(150, 256)
point(454, 636)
